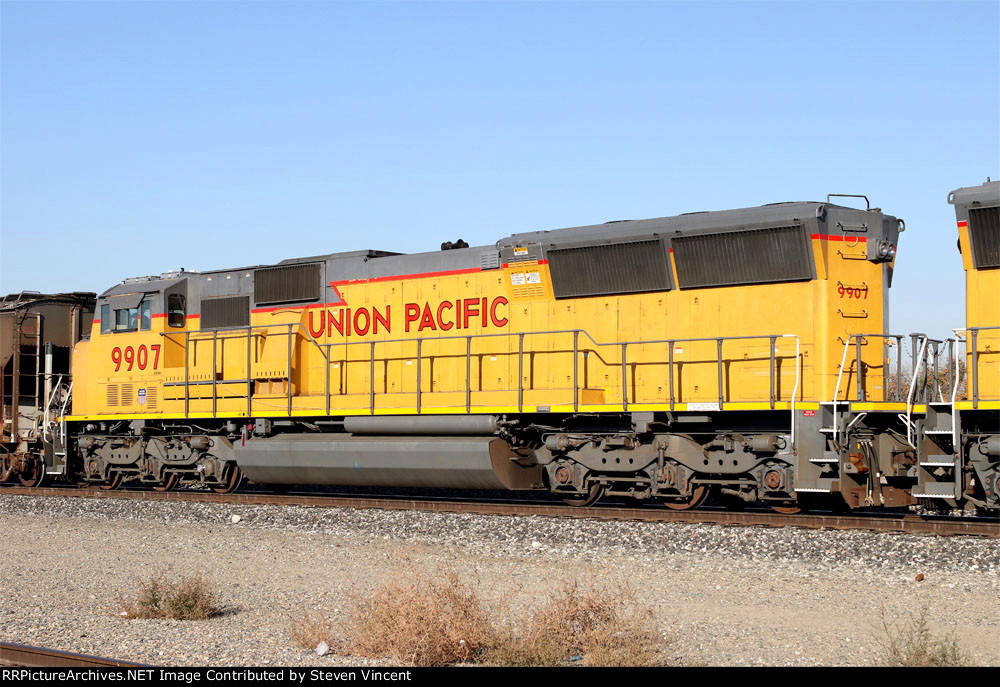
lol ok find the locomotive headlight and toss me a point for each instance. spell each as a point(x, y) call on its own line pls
point(886, 251)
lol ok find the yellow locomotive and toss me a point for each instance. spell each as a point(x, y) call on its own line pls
point(745, 352)
point(960, 436)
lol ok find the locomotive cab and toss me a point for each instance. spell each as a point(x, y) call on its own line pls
point(128, 350)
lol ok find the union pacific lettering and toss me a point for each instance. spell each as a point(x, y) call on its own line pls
point(461, 313)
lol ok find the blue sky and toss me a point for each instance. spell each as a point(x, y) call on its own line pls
point(139, 137)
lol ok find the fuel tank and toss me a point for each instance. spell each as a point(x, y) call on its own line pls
point(397, 461)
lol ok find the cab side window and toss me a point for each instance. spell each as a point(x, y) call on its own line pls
point(145, 316)
point(126, 319)
point(176, 312)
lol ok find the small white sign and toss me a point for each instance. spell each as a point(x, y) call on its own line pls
point(534, 278)
point(703, 406)
point(517, 278)
point(520, 250)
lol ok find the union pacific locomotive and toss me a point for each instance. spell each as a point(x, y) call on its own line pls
point(744, 352)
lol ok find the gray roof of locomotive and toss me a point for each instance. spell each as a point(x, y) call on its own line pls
point(368, 264)
point(986, 195)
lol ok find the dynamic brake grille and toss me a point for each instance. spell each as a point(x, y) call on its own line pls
point(605, 269)
point(749, 256)
point(287, 284)
point(984, 231)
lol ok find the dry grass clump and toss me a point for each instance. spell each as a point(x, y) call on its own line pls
point(309, 629)
point(595, 626)
point(189, 598)
point(420, 619)
point(428, 619)
point(914, 645)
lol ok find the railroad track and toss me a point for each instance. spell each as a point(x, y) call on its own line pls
point(903, 523)
point(36, 657)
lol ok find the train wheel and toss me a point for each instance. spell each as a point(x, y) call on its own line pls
point(232, 484)
point(590, 498)
point(788, 509)
point(698, 496)
point(35, 476)
point(169, 483)
point(113, 483)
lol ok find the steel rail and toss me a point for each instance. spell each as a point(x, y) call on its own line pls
point(904, 523)
point(36, 657)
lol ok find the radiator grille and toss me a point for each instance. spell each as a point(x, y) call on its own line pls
point(634, 267)
point(128, 395)
point(112, 395)
point(287, 284)
point(225, 312)
point(754, 256)
point(984, 231)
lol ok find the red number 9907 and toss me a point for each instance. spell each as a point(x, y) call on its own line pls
point(852, 292)
point(135, 357)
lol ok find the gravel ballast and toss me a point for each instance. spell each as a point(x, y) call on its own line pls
point(729, 595)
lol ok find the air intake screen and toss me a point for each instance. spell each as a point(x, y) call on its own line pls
point(287, 284)
point(754, 256)
point(984, 230)
point(225, 312)
point(609, 269)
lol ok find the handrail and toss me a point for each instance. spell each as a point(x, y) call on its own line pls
point(48, 405)
point(958, 339)
point(795, 390)
point(930, 350)
point(245, 331)
point(954, 389)
point(972, 376)
point(243, 328)
point(858, 338)
point(62, 415)
point(913, 385)
point(292, 329)
point(843, 362)
point(576, 332)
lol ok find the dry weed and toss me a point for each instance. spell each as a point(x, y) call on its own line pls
point(432, 619)
point(420, 618)
point(308, 629)
point(914, 645)
point(189, 598)
point(596, 626)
